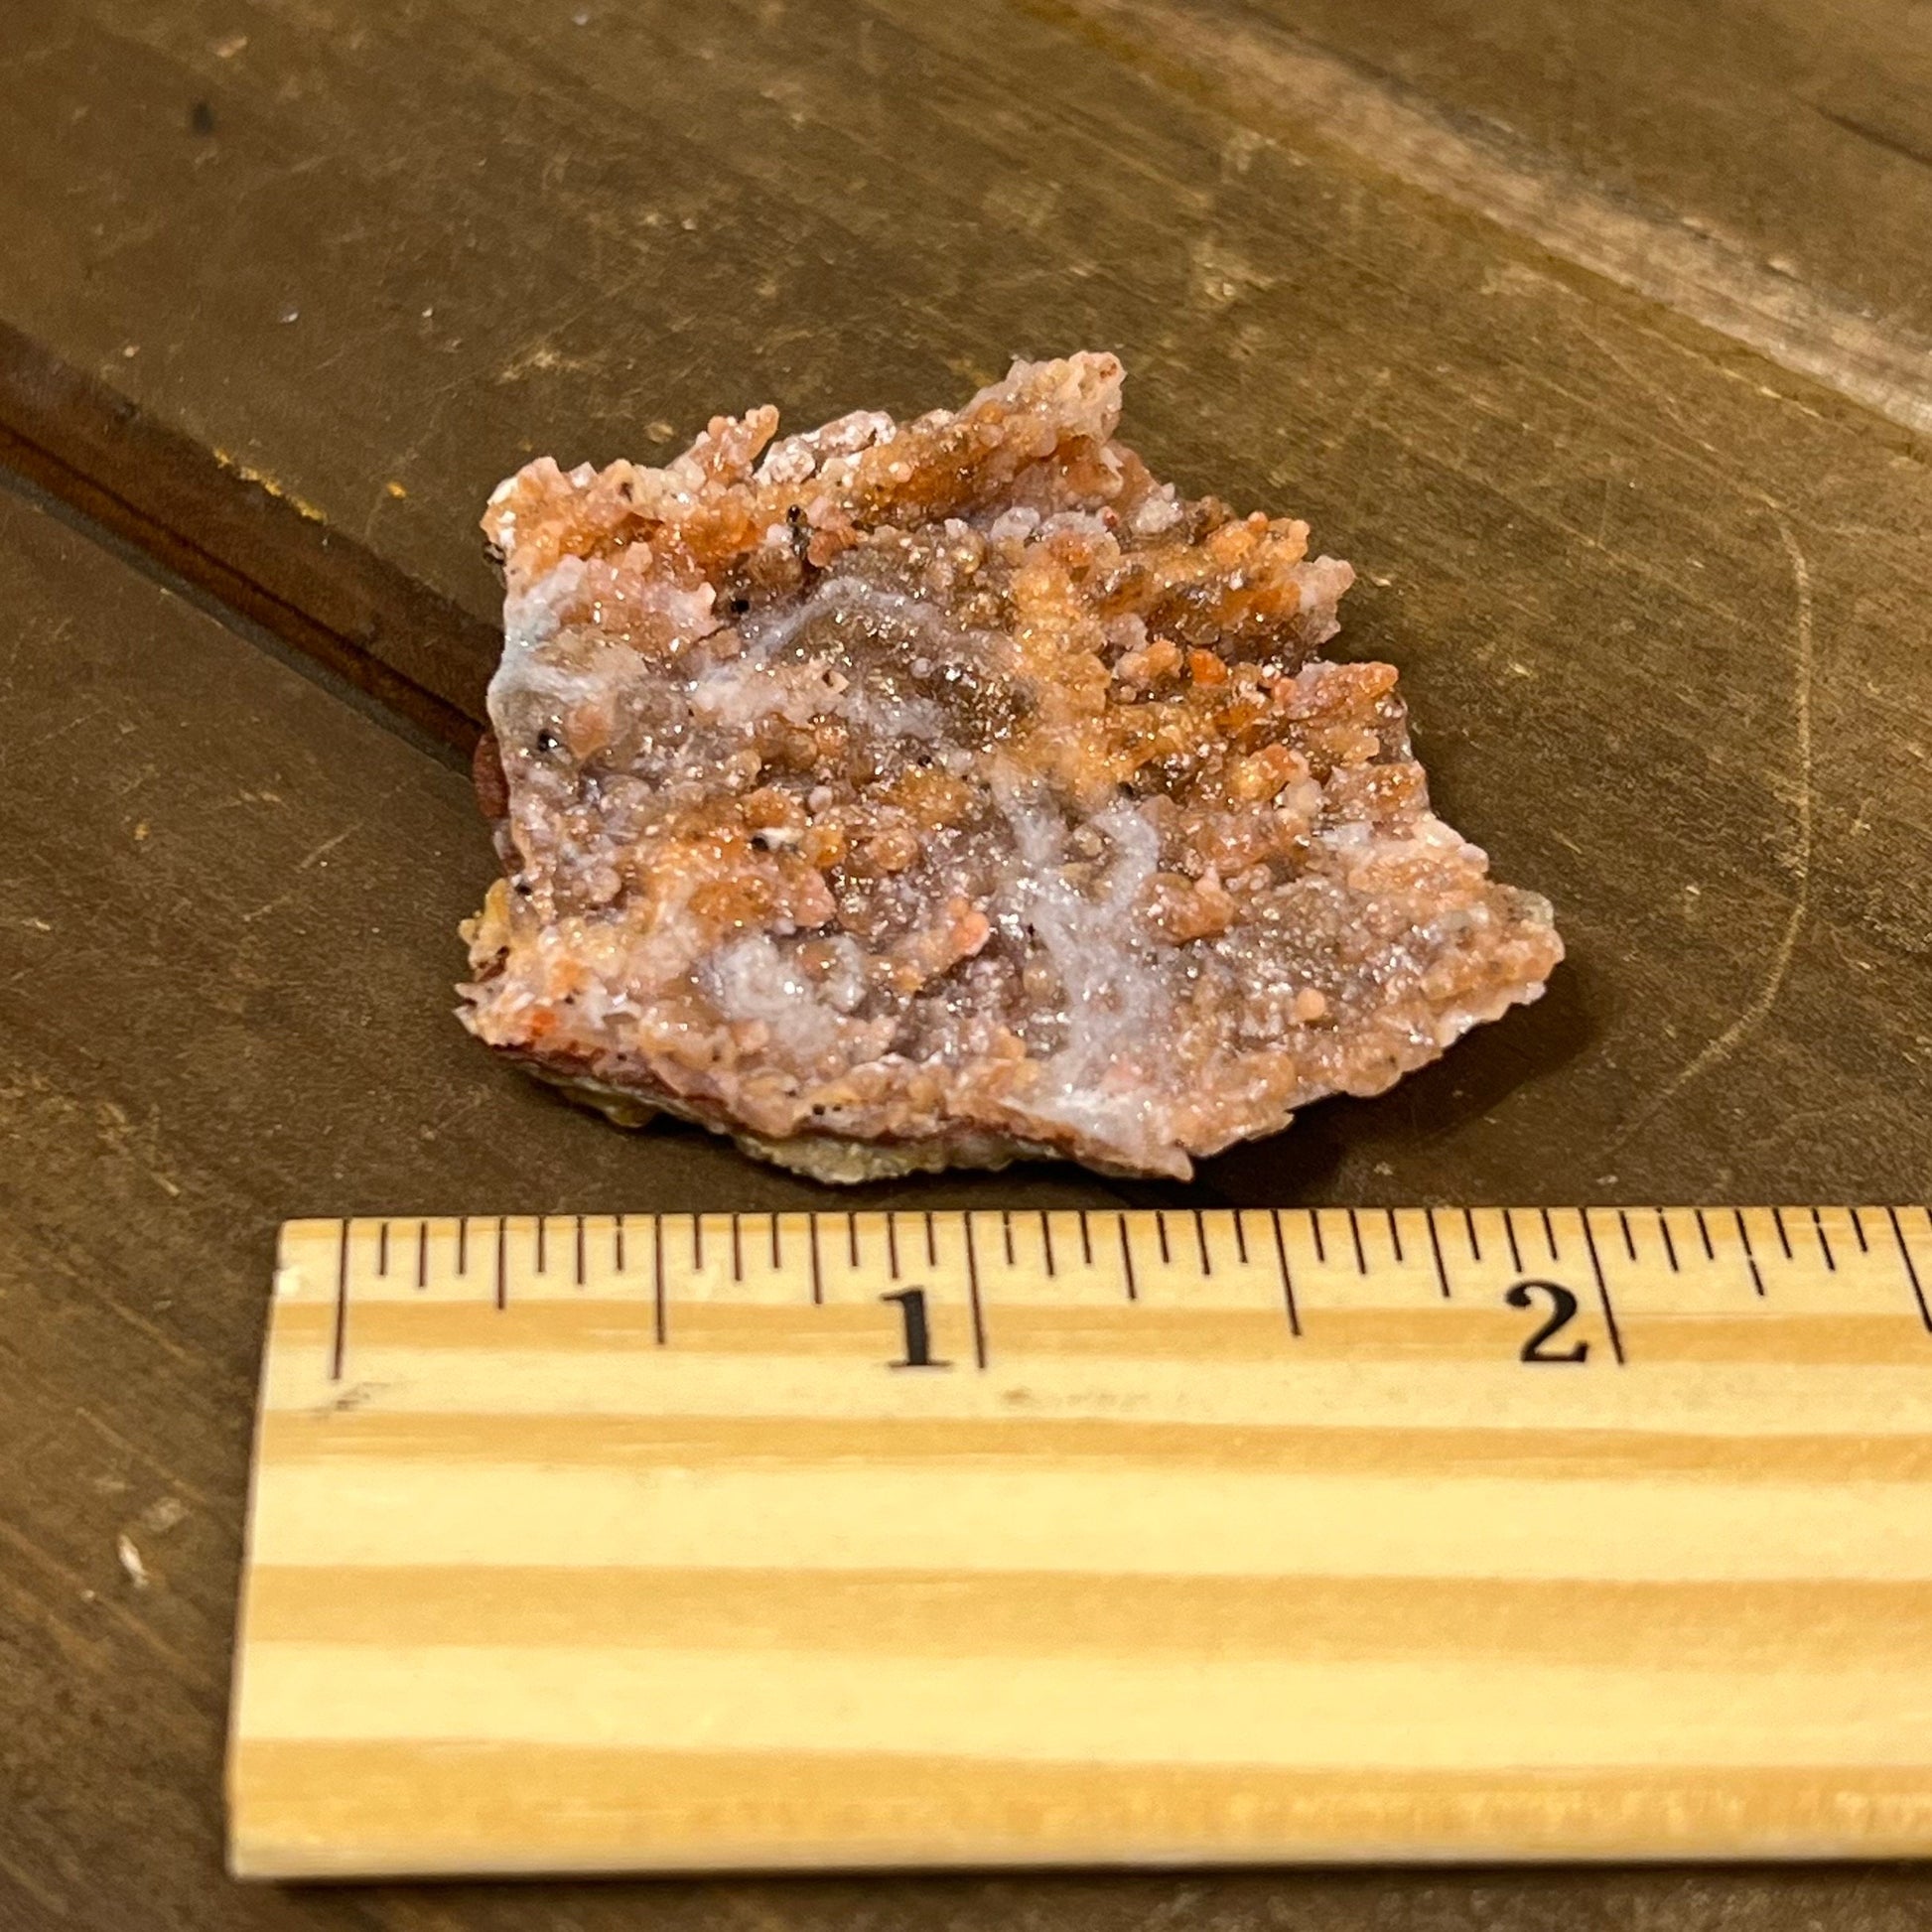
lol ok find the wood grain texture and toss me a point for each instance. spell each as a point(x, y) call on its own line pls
point(1759, 125)
point(568, 1553)
point(269, 560)
point(1701, 156)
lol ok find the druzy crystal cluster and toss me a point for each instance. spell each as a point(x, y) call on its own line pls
point(898, 796)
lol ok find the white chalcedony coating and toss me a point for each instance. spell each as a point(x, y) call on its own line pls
point(902, 796)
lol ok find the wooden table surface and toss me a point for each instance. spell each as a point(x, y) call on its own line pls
point(1597, 337)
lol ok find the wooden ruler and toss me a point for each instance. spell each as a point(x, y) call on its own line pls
point(694, 1542)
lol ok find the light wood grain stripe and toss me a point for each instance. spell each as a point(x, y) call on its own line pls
point(1161, 1708)
point(1728, 1400)
point(323, 1809)
point(1019, 1330)
point(714, 1442)
point(1812, 1627)
point(1185, 1522)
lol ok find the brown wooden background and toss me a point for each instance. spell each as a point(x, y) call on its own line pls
point(1597, 337)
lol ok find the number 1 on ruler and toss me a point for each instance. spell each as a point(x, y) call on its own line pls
point(918, 1333)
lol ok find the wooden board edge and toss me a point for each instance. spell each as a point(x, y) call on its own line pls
point(311, 586)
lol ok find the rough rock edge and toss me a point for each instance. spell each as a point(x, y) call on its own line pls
point(823, 1158)
point(832, 1158)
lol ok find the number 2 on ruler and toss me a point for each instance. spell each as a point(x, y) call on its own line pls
point(1563, 1311)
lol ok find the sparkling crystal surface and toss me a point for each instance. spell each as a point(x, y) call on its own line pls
point(908, 796)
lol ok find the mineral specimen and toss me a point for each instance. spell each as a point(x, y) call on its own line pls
point(908, 796)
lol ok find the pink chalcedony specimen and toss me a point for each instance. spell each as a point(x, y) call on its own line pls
point(901, 797)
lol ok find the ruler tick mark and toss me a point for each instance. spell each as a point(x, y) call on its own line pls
point(659, 1323)
point(1086, 1239)
point(1509, 1229)
point(1161, 1228)
point(697, 1244)
point(1629, 1239)
point(422, 1254)
point(578, 1255)
point(1670, 1246)
point(973, 1294)
point(738, 1251)
point(1436, 1248)
point(382, 1249)
point(1047, 1241)
point(818, 1279)
point(1395, 1236)
point(1355, 1235)
point(1288, 1279)
point(1704, 1228)
point(1241, 1235)
point(1824, 1244)
point(851, 1240)
point(463, 1245)
point(1127, 1260)
point(503, 1260)
point(1006, 1232)
point(777, 1257)
point(1858, 1229)
point(1550, 1239)
point(931, 1242)
point(892, 1243)
point(616, 1244)
point(1315, 1226)
point(1200, 1235)
point(1911, 1271)
point(1469, 1227)
point(1784, 1239)
point(339, 1342)
point(542, 1223)
point(1602, 1287)
point(1750, 1256)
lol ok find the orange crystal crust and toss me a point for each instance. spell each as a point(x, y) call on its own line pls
point(916, 796)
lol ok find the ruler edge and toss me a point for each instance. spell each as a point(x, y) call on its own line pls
point(234, 1861)
point(267, 1867)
